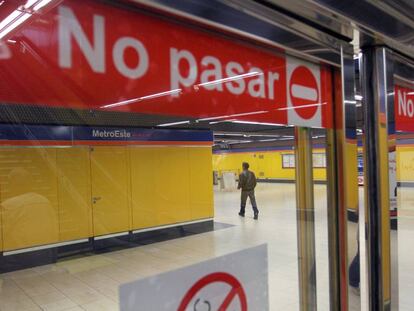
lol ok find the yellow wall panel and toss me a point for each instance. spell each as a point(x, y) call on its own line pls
point(143, 166)
point(270, 164)
point(171, 184)
point(281, 172)
point(46, 193)
point(352, 177)
point(110, 179)
point(233, 162)
point(201, 183)
point(74, 182)
point(28, 197)
point(264, 164)
point(405, 163)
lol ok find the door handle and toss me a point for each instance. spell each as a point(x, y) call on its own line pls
point(95, 199)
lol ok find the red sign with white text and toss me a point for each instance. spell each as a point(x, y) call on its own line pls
point(88, 55)
point(404, 108)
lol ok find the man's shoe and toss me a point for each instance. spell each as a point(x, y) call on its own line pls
point(241, 214)
point(256, 216)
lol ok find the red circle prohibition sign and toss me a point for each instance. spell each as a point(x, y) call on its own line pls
point(304, 92)
point(221, 277)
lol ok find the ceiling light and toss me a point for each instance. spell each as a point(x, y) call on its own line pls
point(29, 3)
point(257, 123)
point(12, 16)
point(174, 123)
point(41, 4)
point(21, 19)
point(138, 99)
point(242, 76)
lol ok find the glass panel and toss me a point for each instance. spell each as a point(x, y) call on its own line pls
point(123, 133)
point(321, 213)
point(405, 170)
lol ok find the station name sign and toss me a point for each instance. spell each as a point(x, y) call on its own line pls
point(90, 55)
point(50, 135)
point(404, 108)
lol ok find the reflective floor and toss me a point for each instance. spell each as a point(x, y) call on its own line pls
point(91, 283)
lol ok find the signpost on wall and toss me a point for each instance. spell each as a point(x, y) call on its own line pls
point(237, 281)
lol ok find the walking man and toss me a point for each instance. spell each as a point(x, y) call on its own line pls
point(247, 183)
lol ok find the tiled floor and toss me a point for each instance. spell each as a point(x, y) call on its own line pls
point(91, 283)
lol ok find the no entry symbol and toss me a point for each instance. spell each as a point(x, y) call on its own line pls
point(236, 292)
point(304, 92)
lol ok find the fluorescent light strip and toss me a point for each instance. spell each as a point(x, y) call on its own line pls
point(174, 123)
point(213, 118)
point(133, 100)
point(257, 123)
point(240, 142)
point(350, 102)
point(248, 113)
point(273, 139)
point(233, 78)
point(246, 135)
point(302, 106)
point(29, 3)
point(233, 115)
point(229, 134)
point(222, 121)
point(41, 4)
point(13, 15)
point(263, 135)
point(122, 103)
point(16, 23)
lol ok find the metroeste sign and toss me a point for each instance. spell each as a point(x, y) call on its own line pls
point(88, 55)
point(404, 108)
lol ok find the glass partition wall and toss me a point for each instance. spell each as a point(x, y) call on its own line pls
point(126, 153)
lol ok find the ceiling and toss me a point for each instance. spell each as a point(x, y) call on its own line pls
point(366, 22)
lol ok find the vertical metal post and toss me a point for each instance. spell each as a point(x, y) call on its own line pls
point(305, 219)
point(342, 186)
point(333, 203)
point(377, 92)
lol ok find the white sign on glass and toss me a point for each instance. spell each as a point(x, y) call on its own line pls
point(234, 282)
